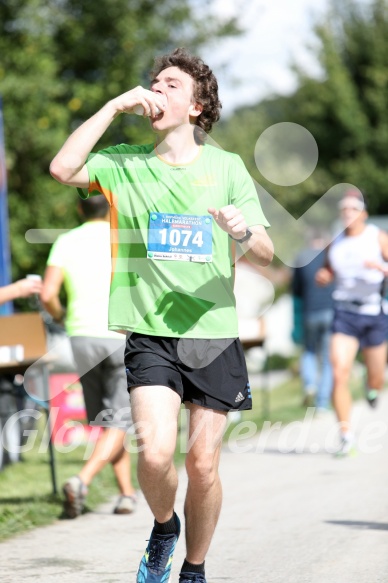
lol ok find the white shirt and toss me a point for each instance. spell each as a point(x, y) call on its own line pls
point(357, 287)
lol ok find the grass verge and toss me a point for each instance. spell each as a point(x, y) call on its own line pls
point(26, 498)
point(26, 493)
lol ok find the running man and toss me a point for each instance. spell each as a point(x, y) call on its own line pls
point(355, 262)
point(178, 206)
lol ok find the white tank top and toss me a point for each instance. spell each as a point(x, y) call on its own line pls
point(357, 288)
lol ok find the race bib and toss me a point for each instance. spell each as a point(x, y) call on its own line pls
point(180, 237)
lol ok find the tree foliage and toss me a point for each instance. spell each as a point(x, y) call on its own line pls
point(60, 61)
point(345, 110)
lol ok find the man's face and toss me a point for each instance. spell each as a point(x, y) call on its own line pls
point(177, 89)
point(351, 213)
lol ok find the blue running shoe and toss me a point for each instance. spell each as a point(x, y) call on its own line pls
point(155, 566)
point(192, 578)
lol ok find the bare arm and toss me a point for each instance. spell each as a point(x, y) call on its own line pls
point(383, 240)
point(20, 289)
point(259, 248)
point(68, 166)
point(324, 276)
point(52, 282)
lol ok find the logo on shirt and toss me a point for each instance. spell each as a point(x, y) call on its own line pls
point(207, 180)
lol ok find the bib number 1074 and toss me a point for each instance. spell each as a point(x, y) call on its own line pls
point(174, 237)
point(181, 237)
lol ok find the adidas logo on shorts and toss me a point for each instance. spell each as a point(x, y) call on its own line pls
point(240, 397)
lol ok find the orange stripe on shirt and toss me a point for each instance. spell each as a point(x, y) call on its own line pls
point(95, 185)
point(114, 225)
point(114, 219)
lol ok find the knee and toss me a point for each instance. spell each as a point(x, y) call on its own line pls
point(341, 374)
point(155, 463)
point(201, 470)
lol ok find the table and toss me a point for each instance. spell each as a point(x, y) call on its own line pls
point(28, 330)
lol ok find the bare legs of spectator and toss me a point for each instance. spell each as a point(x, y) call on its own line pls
point(110, 448)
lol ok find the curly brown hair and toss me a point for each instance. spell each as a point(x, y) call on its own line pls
point(205, 86)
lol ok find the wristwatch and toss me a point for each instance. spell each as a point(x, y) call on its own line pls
point(248, 235)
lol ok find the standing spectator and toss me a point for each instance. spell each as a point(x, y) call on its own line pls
point(12, 395)
point(355, 262)
point(317, 315)
point(80, 260)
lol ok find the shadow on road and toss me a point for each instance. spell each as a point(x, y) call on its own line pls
point(360, 524)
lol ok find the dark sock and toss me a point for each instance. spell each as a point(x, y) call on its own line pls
point(190, 568)
point(169, 527)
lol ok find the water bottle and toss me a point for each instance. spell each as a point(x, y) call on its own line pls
point(139, 110)
point(34, 300)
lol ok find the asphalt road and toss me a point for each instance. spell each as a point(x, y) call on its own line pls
point(292, 513)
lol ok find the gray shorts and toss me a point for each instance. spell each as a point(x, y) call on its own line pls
point(100, 365)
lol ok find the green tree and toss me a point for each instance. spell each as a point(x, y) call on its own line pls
point(345, 109)
point(59, 62)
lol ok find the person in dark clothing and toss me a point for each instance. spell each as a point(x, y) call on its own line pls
point(317, 315)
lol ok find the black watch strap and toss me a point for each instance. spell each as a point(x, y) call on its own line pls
point(248, 235)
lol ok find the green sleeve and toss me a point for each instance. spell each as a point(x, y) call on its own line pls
point(243, 194)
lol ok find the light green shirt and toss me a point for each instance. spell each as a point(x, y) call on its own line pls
point(83, 254)
point(172, 293)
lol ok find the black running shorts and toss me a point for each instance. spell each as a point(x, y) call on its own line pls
point(211, 373)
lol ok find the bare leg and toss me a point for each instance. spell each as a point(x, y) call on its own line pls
point(122, 469)
point(110, 449)
point(155, 412)
point(343, 352)
point(204, 492)
point(375, 358)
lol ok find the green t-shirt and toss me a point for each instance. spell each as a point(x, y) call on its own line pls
point(83, 254)
point(172, 264)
